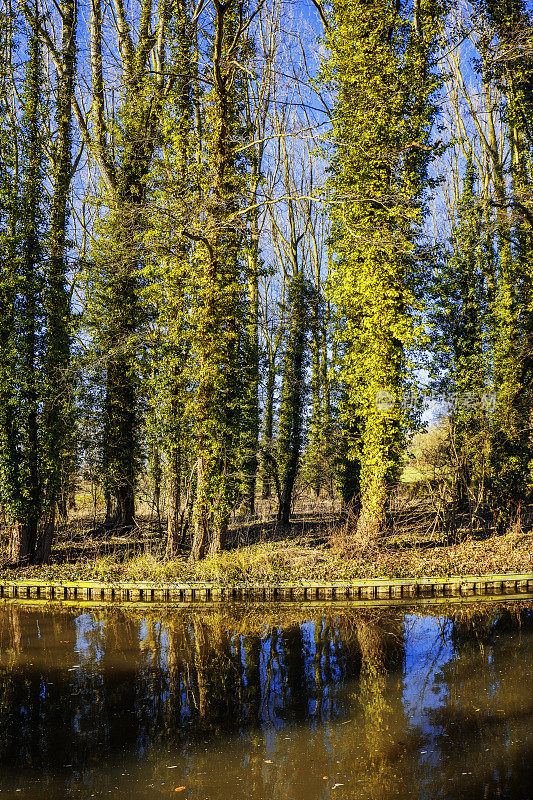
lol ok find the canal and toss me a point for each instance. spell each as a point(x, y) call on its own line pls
point(267, 702)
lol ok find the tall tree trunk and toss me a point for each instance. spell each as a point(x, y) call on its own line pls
point(174, 502)
point(218, 312)
point(24, 532)
point(250, 437)
point(257, 109)
point(315, 433)
point(119, 248)
point(268, 430)
point(10, 189)
point(290, 436)
point(57, 422)
point(371, 281)
point(177, 350)
point(290, 433)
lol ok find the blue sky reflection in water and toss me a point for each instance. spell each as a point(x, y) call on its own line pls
point(267, 703)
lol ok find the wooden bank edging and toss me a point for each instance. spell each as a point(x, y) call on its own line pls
point(300, 591)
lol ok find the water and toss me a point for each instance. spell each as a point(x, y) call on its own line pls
point(270, 703)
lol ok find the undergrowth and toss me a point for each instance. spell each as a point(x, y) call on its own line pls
point(338, 555)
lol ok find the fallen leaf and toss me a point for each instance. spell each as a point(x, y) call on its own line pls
point(180, 789)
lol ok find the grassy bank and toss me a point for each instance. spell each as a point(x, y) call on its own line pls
point(309, 549)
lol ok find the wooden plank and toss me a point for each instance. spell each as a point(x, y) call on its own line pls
point(452, 589)
point(382, 589)
point(59, 592)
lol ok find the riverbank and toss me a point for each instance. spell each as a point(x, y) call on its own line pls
point(301, 553)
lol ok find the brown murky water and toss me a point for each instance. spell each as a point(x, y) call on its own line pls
point(272, 703)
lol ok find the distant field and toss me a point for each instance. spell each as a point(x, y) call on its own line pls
point(412, 475)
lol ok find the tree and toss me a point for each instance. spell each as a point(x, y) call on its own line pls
point(508, 58)
point(168, 274)
point(293, 388)
point(257, 105)
point(217, 314)
point(380, 70)
point(21, 287)
point(462, 317)
point(124, 164)
point(9, 280)
point(57, 444)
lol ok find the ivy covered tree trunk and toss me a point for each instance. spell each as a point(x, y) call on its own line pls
point(174, 315)
point(31, 223)
point(119, 249)
point(121, 432)
point(20, 291)
point(268, 427)
point(269, 474)
point(379, 69)
point(250, 424)
point(257, 108)
point(9, 283)
point(290, 433)
point(218, 315)
point(57, 447)
point(292, 404)
point(462, 318)
point(504, 467)
point(313, 459)
point(120, 255)
point(508, 59)
point(349, 463)
point(319, 466)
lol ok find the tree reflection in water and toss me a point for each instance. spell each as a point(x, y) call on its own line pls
point(270, 703)
point(487, 703)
